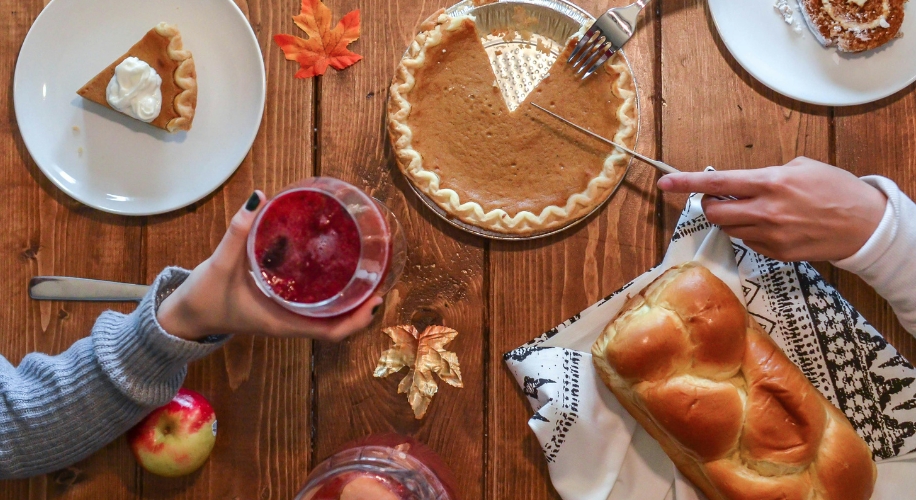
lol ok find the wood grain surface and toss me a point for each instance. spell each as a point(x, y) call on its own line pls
point(536, 285)
point(444, 278)
point(285, 405)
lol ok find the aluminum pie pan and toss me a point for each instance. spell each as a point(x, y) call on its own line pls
point(557, 20)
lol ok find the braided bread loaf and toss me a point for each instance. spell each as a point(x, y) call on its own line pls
point(736, 416)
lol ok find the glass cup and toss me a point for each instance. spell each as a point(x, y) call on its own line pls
point(384, 467)
point(323, 247)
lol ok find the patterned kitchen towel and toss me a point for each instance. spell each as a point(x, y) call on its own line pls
point(836, 348)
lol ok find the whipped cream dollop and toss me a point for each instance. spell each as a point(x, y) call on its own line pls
point(135, 90)
point(787, 12)
point(789, 15)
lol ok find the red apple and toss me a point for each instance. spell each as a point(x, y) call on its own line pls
point(175, 439)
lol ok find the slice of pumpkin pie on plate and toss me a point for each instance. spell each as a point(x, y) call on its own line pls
point(154, 81)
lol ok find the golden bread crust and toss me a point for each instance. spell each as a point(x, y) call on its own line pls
point(704, 416)
point(758, 432)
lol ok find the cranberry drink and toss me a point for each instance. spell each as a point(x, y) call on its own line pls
point(307, 246)
point(322, 248)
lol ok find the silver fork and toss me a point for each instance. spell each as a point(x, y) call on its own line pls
point(605, 37)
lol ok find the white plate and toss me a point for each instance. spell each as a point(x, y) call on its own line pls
point(796, 65)
point(114, 163)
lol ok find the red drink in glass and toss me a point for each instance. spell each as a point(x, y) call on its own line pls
point(384, 467)
point(322, 247)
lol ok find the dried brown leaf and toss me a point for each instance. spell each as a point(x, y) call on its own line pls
point(435, 338)
point(427, 356)
point(450, 371)
point(422, 390)
point(403, 352)
point(406, 382)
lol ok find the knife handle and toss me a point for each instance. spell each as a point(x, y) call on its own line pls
point(65, 288)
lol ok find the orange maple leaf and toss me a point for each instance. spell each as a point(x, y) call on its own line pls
point(324, 46)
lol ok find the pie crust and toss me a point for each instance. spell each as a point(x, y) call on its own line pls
point(162, 49)
point(565, 174)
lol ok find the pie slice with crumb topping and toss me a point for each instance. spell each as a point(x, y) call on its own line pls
point(854, 25)
point(163, 50)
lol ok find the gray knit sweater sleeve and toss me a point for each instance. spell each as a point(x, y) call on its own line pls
point(56, 410)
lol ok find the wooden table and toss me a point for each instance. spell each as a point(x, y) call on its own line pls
point(284, 405)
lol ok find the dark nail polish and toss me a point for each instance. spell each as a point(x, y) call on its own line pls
point(376, 309)
point(253, 202)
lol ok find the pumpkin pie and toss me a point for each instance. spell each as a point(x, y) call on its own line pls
point(516, 172)
point(161, 48)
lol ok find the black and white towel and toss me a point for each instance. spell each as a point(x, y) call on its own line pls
point(595, 450)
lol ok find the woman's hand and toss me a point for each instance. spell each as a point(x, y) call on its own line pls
point(220, 297)
point(805, 210)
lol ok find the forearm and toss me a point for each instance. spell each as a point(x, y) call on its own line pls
point(887, 262)
point(56, 410)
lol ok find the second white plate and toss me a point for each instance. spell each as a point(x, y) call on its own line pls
point(114, 163)
point(794, 64)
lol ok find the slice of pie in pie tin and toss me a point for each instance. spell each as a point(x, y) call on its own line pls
point(524, 39)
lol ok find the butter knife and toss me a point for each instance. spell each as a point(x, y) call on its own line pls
point(66, 288)
point(664, 167)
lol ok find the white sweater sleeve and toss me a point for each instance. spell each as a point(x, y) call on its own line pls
point(887, 262)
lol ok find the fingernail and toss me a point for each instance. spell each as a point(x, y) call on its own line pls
point(253, 202)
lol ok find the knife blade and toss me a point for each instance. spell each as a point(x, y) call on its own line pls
point(81, 289)
point(664, 167)
point(660, 165)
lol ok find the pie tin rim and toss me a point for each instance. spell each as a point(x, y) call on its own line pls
point(494, 235)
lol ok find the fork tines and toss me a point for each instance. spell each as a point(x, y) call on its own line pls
point(605, 37)
point(593, 50)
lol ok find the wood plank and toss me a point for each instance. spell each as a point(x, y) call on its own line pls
point(46, 232)
point(443, 282)
point(536, 285)
point(735, 122)
point(715, 113)
point(259, 388)
point(879, 139)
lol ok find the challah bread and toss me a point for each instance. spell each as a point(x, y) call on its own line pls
point(735, 415)
point(853, 25)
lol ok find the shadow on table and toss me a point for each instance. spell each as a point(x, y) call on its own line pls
point(146, 485)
